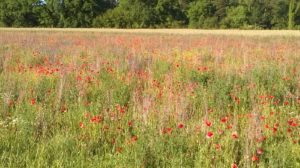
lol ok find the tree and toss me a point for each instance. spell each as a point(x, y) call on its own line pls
point(19, 13)
point(130, 14)
point(73, 13)
point(172, 13)
point(50, 13)
point(236, 17)
point(221, 6)
point(202, 14)
point(293, 9)
point(260, 13)
point(279, 11)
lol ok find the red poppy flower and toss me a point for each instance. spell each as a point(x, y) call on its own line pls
point(229, 126)
point(96, 119)
point(208, 123)
point(259, 151)
point(255, 158)
point(79, 78)
point(293, 122)
point(81, 125)
point(234, 165)
point(33, 101)
point(267, 126)
point(274, 130)
point(234, 135)
point(130, 123)
point(120, 108)
point(169, 130)
point(134, 138)
point(224, 119)
point(119, 149)
point(209, 134)
point(271, 97)
point(180, 125)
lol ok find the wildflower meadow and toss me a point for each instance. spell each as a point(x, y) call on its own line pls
point(92, 99)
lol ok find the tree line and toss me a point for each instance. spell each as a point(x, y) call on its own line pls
point(205, 14)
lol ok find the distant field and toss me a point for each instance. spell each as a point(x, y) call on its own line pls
point(149, 98)
point(170, 31)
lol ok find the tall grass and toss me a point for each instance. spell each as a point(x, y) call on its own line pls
point(148, 100)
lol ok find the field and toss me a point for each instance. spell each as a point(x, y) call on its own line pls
point(162, 98)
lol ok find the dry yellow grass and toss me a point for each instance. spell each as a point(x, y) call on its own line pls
point(294, 33)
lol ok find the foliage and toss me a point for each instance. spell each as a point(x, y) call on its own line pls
point(19, 13)
point(257, 14)
point(129, 14)
point(236, 17)
point(201, 15)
